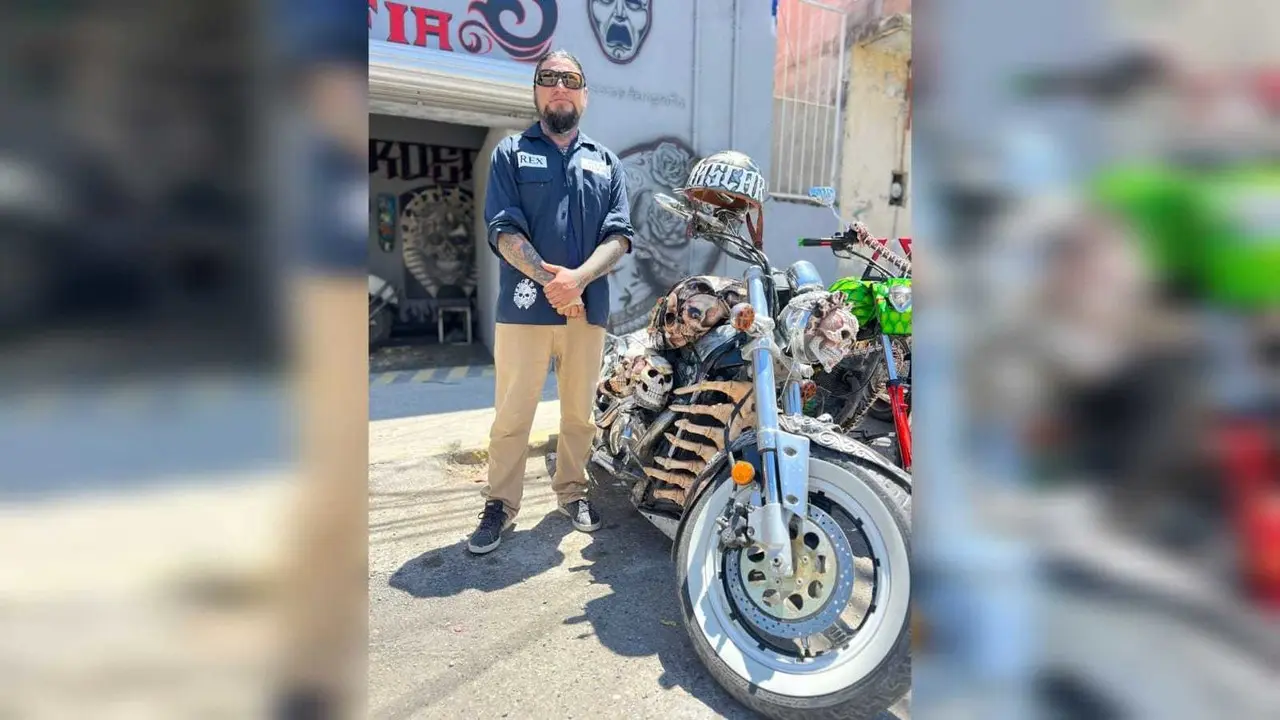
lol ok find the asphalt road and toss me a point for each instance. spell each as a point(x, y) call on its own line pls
point(554, 624)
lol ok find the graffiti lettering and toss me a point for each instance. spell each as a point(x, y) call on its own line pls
point(631, 93)
point(728, 177)
point(482, 30)
point(398, 160)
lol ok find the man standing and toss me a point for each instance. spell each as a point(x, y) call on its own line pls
point(559, 220)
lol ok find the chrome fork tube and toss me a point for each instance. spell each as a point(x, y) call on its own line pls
point(792, 400)
point(766, 392)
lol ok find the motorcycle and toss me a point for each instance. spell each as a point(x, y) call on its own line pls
point(792, 541)
point(882, 303)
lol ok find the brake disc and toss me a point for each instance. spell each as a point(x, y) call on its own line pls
point(812, 599)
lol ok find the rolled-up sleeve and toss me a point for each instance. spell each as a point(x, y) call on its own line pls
point(502, 213)
point(618, 219)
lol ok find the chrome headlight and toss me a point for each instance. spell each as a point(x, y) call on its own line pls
point(819, 328)
point(900, 297)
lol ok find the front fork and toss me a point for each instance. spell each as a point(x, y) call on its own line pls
point(898, 402)
point(784, 456)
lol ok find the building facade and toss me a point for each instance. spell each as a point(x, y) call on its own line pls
point(669, 82)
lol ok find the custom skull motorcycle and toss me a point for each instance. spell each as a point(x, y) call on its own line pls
point(791, 540)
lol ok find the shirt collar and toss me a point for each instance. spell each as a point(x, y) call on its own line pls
point(535, 131)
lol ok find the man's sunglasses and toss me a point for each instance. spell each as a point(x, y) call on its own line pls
point(551, 78)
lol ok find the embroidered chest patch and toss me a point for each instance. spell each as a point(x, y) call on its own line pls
point(598, 167)
point(524, 159)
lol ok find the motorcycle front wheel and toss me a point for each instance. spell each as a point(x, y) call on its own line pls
point(835, 641)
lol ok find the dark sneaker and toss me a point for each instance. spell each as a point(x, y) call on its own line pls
point(584, 517)
point(487, 537)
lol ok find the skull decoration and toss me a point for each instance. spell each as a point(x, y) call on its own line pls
point(620, 364)
point(693, 307)
point(820, 328)
point(653, 379)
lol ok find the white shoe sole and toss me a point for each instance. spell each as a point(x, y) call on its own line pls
point(578, 526)
point(482, 549)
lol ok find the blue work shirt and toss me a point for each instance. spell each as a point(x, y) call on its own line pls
point(334, 223)
point(566, 204)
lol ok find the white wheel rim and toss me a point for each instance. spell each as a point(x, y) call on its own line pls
point(833, 671)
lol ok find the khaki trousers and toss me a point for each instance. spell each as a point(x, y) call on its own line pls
point(521, 356)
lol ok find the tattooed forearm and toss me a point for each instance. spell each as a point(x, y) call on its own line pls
point(606, 255)
point(521, 254)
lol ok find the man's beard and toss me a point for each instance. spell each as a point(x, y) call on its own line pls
point(560, 121)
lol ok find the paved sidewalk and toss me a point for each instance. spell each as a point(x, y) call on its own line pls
point(461, 432)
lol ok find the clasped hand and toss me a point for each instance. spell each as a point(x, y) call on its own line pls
point(565, 291)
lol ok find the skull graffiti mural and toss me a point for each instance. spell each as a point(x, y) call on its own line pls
point(436, 228)
point(621, 27)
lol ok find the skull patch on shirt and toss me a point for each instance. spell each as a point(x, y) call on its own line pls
point(526, 292)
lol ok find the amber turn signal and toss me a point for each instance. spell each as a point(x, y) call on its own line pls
point(743, 316)
point(743, 472)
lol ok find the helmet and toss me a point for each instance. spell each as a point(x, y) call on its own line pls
point(728, 180)
point(732, 184)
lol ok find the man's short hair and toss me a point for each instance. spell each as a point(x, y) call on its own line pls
point(563, 54)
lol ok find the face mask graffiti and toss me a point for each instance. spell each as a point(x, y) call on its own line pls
point(621, 27)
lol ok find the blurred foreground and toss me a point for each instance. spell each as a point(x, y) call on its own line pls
point(167, 319)
point(1099, 507)
point(185, 533)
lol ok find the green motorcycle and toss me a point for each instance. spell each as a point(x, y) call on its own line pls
point(875, 378)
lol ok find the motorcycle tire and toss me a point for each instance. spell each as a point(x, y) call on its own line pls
point(881, 409)
point(862, 395)
point(858, 686)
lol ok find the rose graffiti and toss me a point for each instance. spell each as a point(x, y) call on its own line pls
point(663, 254)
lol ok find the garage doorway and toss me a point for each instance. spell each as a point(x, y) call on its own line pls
point(422, 241)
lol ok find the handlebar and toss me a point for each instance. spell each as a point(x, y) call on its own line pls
point(848, 239)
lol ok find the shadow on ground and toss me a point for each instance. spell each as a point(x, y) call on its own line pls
point(525, 554)
point(640, 615)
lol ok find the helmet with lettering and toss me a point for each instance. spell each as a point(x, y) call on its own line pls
point(732, 185)
point(728, 179)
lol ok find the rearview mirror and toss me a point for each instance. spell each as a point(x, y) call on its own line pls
point(681, 209)
point(823, 195)
point(674, 206)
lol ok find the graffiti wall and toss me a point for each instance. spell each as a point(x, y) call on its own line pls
point(666, 85)
point(662, 254)
point(421, 191)
point(519, 29)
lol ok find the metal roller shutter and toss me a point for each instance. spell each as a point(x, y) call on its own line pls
point(449, 86)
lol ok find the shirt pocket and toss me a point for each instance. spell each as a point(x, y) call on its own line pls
point(595, 191)
point(534, 185)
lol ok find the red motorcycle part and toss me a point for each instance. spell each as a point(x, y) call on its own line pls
point(1252, 469)
point(898, 401)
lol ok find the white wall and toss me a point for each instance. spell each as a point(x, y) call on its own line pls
point(876, 142)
